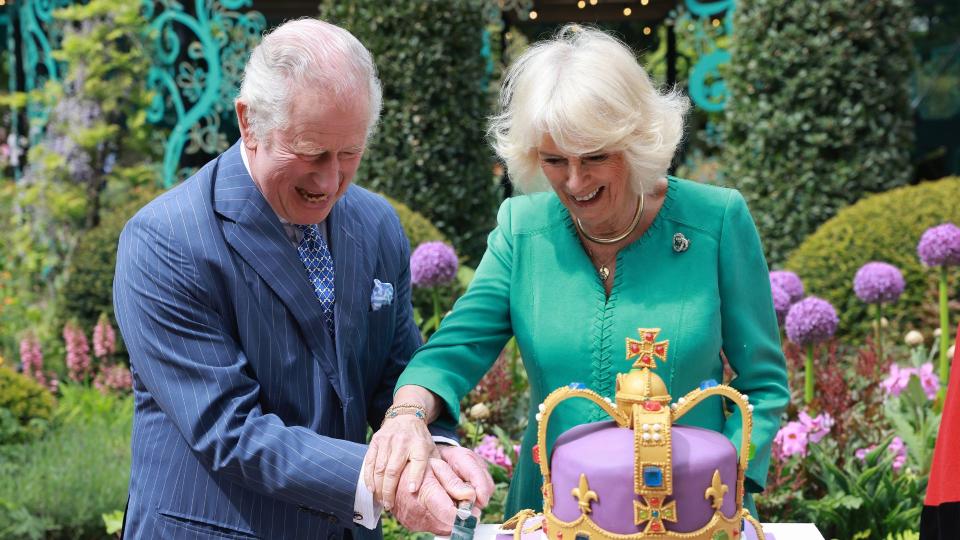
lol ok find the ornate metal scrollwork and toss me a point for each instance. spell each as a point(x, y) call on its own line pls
point(195, 86)
point(707, 87)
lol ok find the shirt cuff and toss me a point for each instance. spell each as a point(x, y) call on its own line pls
point(445, 440)
point(366, 511)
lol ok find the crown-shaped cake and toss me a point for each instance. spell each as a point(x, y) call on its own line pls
point(639, 476)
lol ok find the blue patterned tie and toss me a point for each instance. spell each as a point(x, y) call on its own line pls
point(319, 264)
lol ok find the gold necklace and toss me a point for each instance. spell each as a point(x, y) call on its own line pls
point(603, 271)
point(613, 240)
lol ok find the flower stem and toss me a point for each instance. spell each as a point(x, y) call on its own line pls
point(808, 376)
point(880, 332)
point(944, 324)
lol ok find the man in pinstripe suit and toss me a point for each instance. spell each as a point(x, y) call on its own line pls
point(265, 303)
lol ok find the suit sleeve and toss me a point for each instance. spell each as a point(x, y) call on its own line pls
point(751, 337)
point(184, 358)
point(469, 339)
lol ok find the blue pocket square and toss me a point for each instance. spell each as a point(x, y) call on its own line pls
point(382, 295)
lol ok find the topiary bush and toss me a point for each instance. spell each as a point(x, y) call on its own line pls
point(883, 227)
point(25, 407)
point(430, 151)
point(818, 112)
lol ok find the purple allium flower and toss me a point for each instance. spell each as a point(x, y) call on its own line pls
point(781, 302)
point(811, 320)
point(789, 282)
point(940, 246)
point(432, 264)
point(104, 338)
point(878, 282)
point(817, 427)
point(791, 440)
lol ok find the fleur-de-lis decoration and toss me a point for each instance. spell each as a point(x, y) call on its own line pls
point(584, 495)
point(716, 491)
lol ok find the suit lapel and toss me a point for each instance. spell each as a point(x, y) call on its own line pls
point(353, 282)
point(252, 228)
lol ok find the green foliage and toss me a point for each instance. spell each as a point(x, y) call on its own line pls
point(95, 145)
point(88, 288)
point(25, 407)
point(417, 228)
point(430, 150)
point(818, 113)
point(884, 227)
point(865, 499)
point(59, 487)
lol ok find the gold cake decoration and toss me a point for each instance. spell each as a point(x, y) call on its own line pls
point(643, 404)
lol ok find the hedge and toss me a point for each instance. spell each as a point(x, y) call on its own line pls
point(818, 113)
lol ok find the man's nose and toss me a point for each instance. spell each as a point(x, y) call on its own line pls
point(327, 174)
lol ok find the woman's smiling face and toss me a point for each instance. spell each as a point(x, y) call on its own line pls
point(595, 187)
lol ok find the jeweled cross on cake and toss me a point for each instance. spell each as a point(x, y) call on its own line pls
point(647, 349)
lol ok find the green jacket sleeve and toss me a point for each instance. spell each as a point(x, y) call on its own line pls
point(471, 337)
point(751, 337)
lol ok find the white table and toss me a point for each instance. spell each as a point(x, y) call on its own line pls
point(783, 531)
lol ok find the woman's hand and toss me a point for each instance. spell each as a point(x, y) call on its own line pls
point(401, 440)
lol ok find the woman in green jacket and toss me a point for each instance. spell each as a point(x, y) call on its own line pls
point(612, 246)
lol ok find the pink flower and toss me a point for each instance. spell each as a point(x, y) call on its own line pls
point(929, 380)
point(31, 357)
point(898, 380)
point(792, 440)
point(897, 446)
point(104, 338)
point(491, 450)
point(817, 427)
point(116, 378)
point(78, 352)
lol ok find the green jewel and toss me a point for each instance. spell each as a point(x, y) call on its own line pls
point(721, 535)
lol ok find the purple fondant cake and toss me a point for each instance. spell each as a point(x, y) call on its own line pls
point(637, 476)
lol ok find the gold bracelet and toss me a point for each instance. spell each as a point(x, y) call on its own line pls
point(406, 408)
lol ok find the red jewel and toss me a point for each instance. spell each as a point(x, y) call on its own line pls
point(545, 531)
point(655, 527)
point(560, 535)
point(648, 337)
point(654, 502)
point(634, 348)
point(659, 349)
point(736, 533)
point(536, 454)
point(651, 406)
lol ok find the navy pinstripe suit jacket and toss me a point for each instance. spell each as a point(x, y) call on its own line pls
point(249, 421)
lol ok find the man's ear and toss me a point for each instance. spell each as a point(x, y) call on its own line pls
point(243, 120)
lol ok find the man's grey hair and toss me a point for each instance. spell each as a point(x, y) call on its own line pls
point(306, 55)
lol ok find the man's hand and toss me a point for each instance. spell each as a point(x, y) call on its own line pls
point(471, 468)
point(434, 507)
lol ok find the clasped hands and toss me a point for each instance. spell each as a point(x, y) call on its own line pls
point(419, 482)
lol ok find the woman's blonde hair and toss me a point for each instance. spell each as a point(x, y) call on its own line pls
point(586, 90)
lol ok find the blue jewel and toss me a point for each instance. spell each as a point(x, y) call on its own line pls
point(577, 386)
point(709, 383)
point(652, 476)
